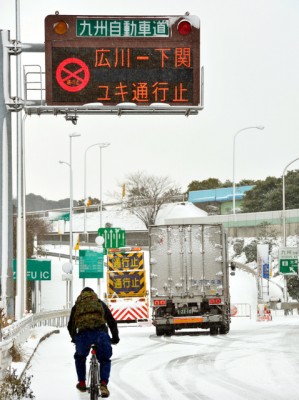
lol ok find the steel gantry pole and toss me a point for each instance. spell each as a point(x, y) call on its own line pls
point(6, 212)
point(16, 104)
point(21, 192)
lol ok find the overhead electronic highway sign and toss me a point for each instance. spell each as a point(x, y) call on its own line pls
point(122, 59)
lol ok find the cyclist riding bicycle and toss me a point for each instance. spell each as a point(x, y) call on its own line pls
point(88, 325)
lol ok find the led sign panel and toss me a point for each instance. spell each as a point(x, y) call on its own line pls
point(112, 60)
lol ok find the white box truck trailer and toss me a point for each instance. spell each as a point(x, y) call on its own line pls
point(189, 278)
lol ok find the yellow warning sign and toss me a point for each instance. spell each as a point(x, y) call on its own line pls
point(126, 274)
point(126, 284)
point(125, 261)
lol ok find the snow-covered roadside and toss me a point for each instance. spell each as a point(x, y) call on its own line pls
point(251, 358)
point(37, 336)
point(242, 286)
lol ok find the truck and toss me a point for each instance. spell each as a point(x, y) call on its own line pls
point(127, 295)
point(189, 278)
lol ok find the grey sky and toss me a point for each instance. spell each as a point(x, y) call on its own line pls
point(249, 50)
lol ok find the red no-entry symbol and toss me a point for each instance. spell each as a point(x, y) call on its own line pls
point(72, 74)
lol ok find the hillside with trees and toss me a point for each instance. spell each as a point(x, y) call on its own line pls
point(267, 195)
point(215, 183)
point(38, 203)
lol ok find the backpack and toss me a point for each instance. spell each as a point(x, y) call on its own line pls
point(89, 312)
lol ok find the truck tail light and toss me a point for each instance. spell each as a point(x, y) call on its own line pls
point(184, 27)
point(160, 303)
point(216, 300)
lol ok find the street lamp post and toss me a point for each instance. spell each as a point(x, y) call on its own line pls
point(284, 221)
point(234, 162)
point(68, 266)
point(70, 165)
point(101, 146)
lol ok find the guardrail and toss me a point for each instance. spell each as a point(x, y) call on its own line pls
point(241, 310)
point(19, 331)
point(133, 238)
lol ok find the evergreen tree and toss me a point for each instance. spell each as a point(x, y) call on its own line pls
point(246, 182)
point(267, 194)
point(210, 183)
point(293, 287)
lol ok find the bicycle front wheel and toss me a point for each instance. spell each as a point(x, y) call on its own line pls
point(94, 383)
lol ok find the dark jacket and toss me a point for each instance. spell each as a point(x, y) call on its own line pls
point(112, 324)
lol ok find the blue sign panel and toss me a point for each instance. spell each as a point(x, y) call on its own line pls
point(266, 271)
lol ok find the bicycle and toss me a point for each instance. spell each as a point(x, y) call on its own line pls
point(93, 375)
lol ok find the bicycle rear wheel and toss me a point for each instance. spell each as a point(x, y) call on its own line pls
point(94, 382)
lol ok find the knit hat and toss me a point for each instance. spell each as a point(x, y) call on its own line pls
point(87, 289)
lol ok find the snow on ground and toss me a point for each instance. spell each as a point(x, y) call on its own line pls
point(124, 219)
point(255, 360)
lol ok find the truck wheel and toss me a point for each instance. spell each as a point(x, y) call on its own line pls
point(159, 331)
point(170, 332)
point(224, 329)
point(214, 330)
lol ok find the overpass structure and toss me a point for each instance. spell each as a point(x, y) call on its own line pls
point(251, 224)
point(237, 225)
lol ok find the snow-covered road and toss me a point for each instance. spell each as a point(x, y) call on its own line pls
point(256, 360)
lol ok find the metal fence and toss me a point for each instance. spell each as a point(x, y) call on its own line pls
point(241, 310)
point(18, 332)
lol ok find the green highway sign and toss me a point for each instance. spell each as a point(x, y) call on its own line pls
point(37, 270)
point(141, 28)
point(91, 264)
point(288, 260)
point(58, 216)
point(288, 267)
point(65, 217)
point(113, 238)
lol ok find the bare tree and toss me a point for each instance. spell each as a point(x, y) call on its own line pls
point(145, 194)
point(34, 226)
